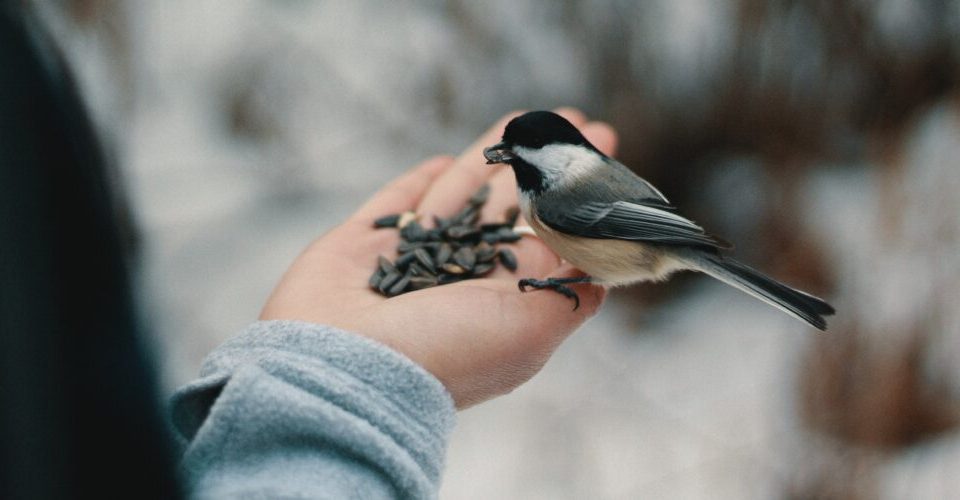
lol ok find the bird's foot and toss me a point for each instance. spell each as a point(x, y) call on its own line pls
point(556, 284)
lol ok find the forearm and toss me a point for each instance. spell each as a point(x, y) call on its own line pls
point(293, 409)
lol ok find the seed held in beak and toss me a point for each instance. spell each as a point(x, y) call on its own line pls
point(498, 153)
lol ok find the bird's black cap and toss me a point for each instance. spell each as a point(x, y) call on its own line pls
point(540, 128)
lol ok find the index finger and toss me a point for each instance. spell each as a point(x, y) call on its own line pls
point(467, 174)
point(403, 193)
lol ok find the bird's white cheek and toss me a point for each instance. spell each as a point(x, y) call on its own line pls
point(561, 164)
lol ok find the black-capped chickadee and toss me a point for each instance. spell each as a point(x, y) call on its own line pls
point(614, 226)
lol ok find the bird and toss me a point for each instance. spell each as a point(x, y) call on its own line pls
point(613, 225)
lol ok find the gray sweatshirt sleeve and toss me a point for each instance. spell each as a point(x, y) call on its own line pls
point(290, 409)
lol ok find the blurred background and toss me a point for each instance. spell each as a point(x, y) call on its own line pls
point(823, 137)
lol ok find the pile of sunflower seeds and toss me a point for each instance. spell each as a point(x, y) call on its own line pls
point(455, 249)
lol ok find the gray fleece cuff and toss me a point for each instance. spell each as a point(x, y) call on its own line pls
point(344, 389)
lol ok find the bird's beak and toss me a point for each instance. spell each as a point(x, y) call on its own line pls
point(498, 153)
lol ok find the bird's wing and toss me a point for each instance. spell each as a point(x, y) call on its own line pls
point(631, 187)
point(624, 220)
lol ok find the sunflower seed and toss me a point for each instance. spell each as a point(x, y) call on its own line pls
point(421, 282)
point(490, 238)
point(494, 227)
point(409, 246)
point(443, 254)
point(462, 232)
point(388, 281)
point(417, 270)
point(508, 259)
point(507, 235)
point(471, 218)
point(406, 218)
point(482, 269)
point(485, 252)
point(386, 265)
point(452, 268)
point(480, 197)
point(465, 258)
point(466, 216)
point(399, 286)
point(511, 215)
point(405, 259)
point(413, 232)
point(387, 221)
point(423, 257)
point(440, 223)
point(445, 279)
point(375, 278)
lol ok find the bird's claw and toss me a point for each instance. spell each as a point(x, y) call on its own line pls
point(556, 284)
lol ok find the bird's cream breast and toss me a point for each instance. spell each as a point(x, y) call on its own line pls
point(611, 262)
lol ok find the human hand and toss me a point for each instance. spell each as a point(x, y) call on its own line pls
point(481, 337)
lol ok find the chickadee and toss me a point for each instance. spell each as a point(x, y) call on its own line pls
point(614, 226)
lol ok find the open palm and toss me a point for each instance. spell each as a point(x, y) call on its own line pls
point(479, 337)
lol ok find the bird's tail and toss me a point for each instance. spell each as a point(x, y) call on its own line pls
point(794, 302)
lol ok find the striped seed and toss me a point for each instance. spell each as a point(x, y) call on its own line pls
point(423, 257)
point(443, 254)
point(484, 268)
point(388, 281)
point(386, 265)
point(399, 286)
point(508, 259)
point(465, 257)
point(375, 278)
point(387, 221)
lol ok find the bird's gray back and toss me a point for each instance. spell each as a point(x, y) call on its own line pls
point(611, 184)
